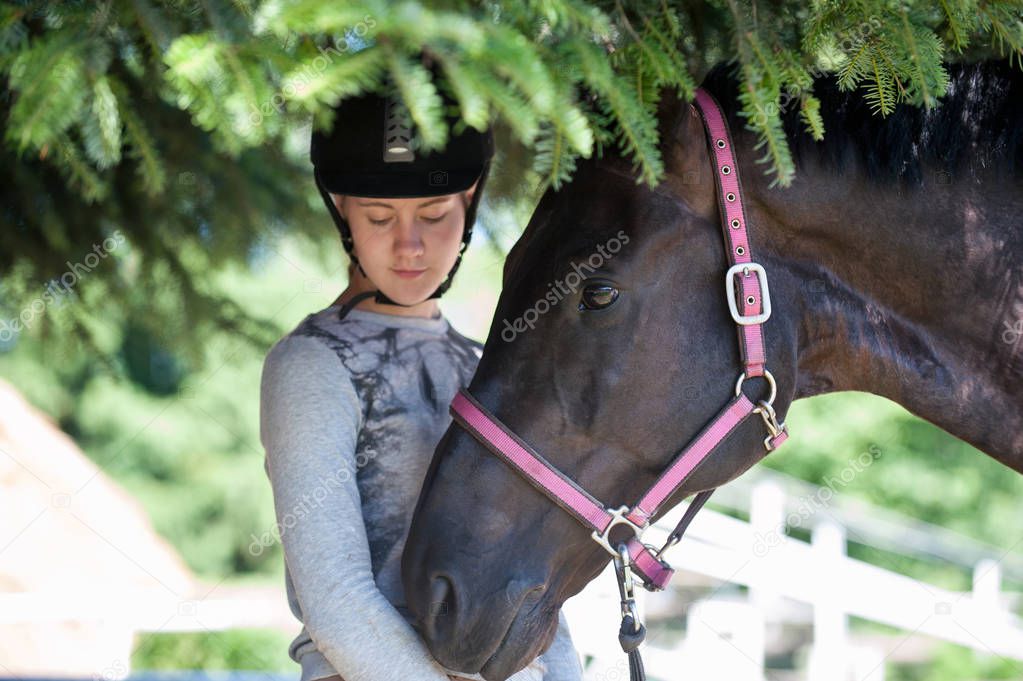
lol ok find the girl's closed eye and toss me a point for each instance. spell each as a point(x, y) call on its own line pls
point(433, 219)
point(379, 222)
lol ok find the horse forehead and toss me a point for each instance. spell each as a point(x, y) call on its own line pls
point(575, 221)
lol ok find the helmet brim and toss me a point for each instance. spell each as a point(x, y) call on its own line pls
point(399, 186)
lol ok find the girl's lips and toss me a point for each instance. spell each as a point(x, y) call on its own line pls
point(408, 274)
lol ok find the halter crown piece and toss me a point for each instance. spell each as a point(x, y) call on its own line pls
point(749, 303)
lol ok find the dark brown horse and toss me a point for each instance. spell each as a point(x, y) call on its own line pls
point(895, 263)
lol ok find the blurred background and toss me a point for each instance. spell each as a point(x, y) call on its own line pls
point(156, 239)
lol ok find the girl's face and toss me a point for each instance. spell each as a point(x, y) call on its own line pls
point(406, 246)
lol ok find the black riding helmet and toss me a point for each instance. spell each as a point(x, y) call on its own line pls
point(372, 151)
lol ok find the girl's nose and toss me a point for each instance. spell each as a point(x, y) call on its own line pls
point(408, 241)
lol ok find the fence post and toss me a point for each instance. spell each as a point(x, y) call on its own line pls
point(767, 519)
point(829, 654)
point(987, 585)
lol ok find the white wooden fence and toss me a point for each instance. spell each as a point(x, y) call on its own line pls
point(813, 584)
point(725, 637)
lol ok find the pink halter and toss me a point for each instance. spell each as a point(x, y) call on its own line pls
point(755, 304)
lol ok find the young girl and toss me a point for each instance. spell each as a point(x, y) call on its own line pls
point(355, 398)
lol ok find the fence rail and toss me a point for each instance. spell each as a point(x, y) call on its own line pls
point(724, 637)
point(729, 634)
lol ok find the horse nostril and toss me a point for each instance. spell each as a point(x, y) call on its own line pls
point(442, 597)
point(439, 589)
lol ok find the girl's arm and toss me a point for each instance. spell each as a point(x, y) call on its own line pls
point(310, 417)
point(562, 659)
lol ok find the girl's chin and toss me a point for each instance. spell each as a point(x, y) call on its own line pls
point(410, 292)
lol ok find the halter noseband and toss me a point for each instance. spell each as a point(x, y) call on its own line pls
point(750, 310)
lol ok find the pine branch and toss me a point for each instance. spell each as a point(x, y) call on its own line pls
point(50, 87)
point(346, 76)
point(810, 113)
point(150, 168)
point(926, 79)
point(636, 127)
point(468, 91)
point(101, 131)
point(78, 171)
point(958, 21)
point(760, 110)
point(420, 95)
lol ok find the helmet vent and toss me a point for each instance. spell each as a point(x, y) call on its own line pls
point(397, 133)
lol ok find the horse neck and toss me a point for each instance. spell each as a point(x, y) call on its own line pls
point(912, 294)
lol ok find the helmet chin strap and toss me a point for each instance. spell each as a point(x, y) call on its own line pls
point(359, 297)
point(355, 300)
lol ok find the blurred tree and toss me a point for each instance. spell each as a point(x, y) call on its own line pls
point(146, 142)
point(115, 193)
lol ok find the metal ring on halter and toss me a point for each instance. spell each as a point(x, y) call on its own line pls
point(770, 382)
point(618, 517)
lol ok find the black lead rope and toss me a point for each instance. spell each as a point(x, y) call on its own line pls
point(630, 638)
point(676, 535)
point(632, 632)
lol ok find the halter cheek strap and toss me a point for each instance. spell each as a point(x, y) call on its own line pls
point(754, 305)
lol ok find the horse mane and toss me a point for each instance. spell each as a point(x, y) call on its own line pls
point(978, 118)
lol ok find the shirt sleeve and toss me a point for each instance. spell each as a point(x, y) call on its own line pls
point(310, 416)
point(562, 659)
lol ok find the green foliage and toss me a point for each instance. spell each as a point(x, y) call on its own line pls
point(181, 434)
point(233, 649)
point(128, 169)
point(978, 497)
point(956, 662)
point(224, 61)
point(185, 125)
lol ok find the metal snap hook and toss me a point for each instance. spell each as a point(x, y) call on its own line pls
point(626, 585)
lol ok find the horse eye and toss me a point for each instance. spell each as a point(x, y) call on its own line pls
point(598, 296)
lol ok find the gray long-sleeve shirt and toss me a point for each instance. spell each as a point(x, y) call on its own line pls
point(350, 413)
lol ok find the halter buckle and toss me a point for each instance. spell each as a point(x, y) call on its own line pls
point(617, 518)
point(745, 268)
